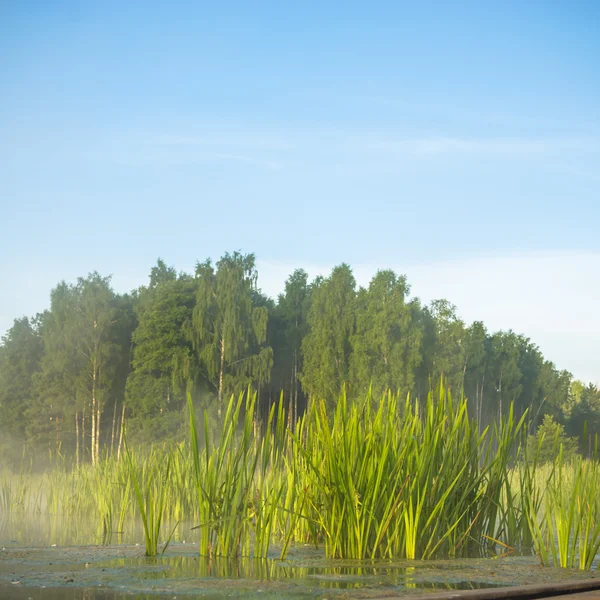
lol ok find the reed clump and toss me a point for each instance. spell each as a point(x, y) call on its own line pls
point(565, 520)
point(378, 478)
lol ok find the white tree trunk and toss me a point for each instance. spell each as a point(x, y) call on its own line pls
point(121, 431)
point(77, 439)
point(220, 399)
point(98, 432)
point(113, 430)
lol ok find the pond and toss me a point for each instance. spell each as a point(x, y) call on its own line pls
point(45, 559)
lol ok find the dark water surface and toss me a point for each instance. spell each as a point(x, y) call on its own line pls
point(55, 560)
point(121, 571)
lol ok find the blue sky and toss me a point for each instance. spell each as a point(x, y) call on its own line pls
point(457, 142)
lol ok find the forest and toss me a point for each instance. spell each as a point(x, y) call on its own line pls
point(72, 376)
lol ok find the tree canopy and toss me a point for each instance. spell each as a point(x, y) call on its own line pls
point(69, 377)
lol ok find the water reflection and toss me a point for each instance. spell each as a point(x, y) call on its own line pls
point(305, 569)
point(51, 529)
point(48, 593)
point(325, 575)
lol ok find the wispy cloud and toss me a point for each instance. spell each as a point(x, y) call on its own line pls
point(278, 148)
point(505, 146)
point(255, 142)
point(372, 142)
point(254, 150)
point(249, 160)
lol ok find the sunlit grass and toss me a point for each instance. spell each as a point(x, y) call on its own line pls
point(380, 478)
point(566, 521)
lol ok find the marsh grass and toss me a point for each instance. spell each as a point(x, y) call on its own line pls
point(380, 478)
point(410, 481)
point(229, 504)
point(565, 522)
point(151, 486)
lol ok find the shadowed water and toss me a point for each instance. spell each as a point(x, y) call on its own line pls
point(78, 559)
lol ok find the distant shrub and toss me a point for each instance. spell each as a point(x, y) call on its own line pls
point(549, 441)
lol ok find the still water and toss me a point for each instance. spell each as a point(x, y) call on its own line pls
point(77, 559)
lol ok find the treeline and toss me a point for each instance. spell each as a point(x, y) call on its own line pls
point(71, 376)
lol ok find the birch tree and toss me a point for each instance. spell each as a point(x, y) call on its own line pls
point(229, 333)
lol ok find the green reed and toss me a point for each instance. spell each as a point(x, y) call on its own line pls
point(376, 478)
point(151, 485)
point(566, 521)
point(405, 481)
point(224, 476)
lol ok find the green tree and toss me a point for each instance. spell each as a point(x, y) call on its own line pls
point(228, 331)
point(326, 348)
point(583, 416)
point(160, 274)
point(554, 385)
point(287, 328)
point(215, 333)
point(162, 355)
point(449, 354)
point(550, 440)
point(475, 367)
point(531, 395)
point(386, 344)
point(55, 394)
point(81, 370)
point(503, 377)
point(20, 358)
point(96, 320)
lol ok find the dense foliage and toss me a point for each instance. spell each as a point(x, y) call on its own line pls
point(374, 478)
point(70, 376)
